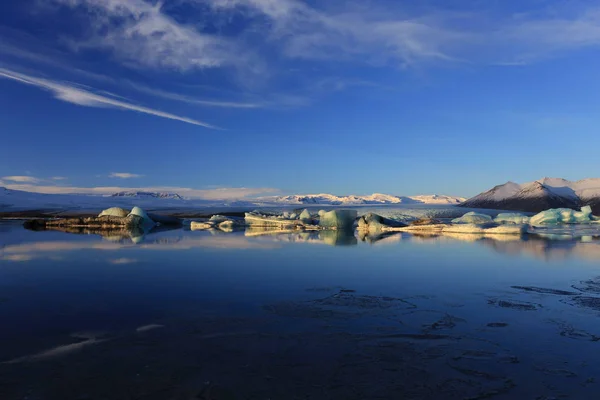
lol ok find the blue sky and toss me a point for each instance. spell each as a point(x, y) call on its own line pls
point(234, 98)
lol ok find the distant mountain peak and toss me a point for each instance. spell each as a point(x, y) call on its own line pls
point(142, 194)
point(539, 195)
point(373, 199)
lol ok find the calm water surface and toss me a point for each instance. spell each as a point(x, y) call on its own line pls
point(248, 315)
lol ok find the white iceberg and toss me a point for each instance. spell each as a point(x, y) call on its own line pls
point(473, 218)
point(511, 218)
point(256, 219)
point(562, 216)
point(114, 212)
point(338, 219)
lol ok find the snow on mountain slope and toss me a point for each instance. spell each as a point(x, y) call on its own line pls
point(157, 195)
point(539, 195)
point(376, 198)
point(15, 200)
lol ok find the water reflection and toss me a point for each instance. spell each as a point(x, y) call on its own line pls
point(545, 245)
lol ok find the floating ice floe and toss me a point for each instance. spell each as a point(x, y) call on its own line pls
point(562, 216)
point(511, 218)
point(473, 218)
point(485, 229)
point(337, 219)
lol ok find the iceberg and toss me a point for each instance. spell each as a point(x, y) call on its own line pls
point(562, 216)
point(511, 218)
point(114, 212)
point(473, 218)
point(337, 219)
point(256, 219)
point(138, 212)
point(373, 223)
point(305, 217)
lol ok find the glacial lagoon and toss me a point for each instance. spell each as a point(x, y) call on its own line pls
point(253, 314)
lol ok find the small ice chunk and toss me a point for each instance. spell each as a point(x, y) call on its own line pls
point(200, 226)
point(511, 218)
point(114, 212)
point(562, 216)
point(473, 218)
point(340, 219)
point(217, 219)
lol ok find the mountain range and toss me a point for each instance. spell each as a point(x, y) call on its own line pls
point(13, 200)
point(539, 195)
point(376, 198)
point(156, 195)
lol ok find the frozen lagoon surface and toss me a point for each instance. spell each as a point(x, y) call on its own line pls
point(255, 314)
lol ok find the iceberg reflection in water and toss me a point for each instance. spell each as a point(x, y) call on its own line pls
point(543, 243)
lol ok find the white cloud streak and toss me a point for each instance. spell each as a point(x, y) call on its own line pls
point(21, 179)
point(124, 175)
point(83, 97)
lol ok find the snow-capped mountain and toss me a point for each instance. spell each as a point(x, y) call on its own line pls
point(376, 198)
point(156, 195)
point(540, 195)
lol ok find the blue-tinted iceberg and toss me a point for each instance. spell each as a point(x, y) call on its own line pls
point(511, 218)
point(562, 216)
point(473, 218)
point(374, 223)
point(138, 212)
point(339, 219)
point(305, 217)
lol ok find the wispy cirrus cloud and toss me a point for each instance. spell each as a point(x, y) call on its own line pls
point(152, 34)
point(82, 96)
point(124, 175)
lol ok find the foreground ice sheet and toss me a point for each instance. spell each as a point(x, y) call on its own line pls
point(511, 218)
point(562, 216)
point(339, 219)
point(473, 218)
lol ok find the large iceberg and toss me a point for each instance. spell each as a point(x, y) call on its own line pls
point(338, 219)
point(374, 223)
point(473, 218)
point(562, 216)
point(511, 218)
